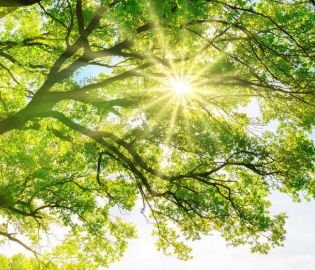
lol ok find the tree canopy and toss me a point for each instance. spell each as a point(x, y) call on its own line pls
point(158, 121)
point(18, 262)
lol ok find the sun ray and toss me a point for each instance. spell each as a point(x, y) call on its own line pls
point(201, 70)
point(163, 41)
point(207, 66)
point(165, 107)
point(185, 116)
point(215, 113)
point(147, 106)
point(172, 122)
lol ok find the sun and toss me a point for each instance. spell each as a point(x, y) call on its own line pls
point(179, 87)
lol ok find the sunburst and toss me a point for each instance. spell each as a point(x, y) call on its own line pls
point(180, 87)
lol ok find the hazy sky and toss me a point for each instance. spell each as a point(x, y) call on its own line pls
point(211, 252)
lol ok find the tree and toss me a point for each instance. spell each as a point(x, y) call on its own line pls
point(19, 3)
point(12, 5)
point(4, 262)
point(161, 124)
point(21, 262)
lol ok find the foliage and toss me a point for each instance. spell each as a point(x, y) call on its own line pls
point(21, 262)
point(74, 151)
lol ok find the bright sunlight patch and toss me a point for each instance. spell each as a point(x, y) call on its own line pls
point(179, 87)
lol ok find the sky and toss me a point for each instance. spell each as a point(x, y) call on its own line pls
point(211, 252)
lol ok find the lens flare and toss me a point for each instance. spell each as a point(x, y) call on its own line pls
point(179, 87)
